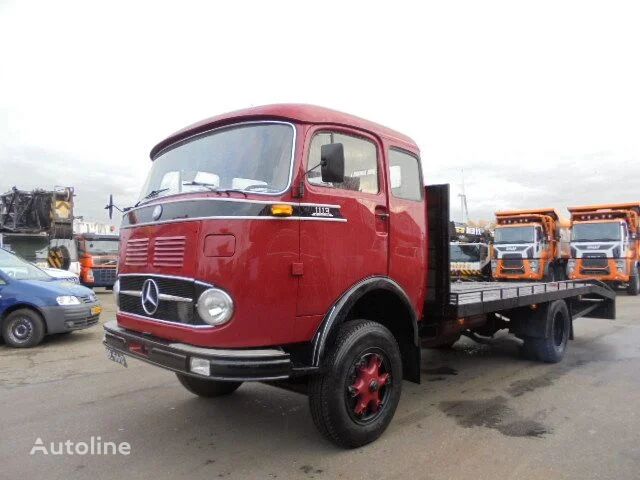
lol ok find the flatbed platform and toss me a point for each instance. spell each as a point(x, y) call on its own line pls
point(476, 298)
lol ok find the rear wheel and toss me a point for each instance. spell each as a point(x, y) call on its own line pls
point(354, 400)
point(23, 328)
point(551, 349)
point(634, 283)
point(207, 388)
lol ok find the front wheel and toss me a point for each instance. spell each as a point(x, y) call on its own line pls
point(207, 388)
point(354, 400)
point(634, 283)
point(23, 328)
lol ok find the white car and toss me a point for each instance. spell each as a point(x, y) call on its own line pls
point(60, 274)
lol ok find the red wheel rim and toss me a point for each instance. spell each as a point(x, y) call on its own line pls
point(368, 386)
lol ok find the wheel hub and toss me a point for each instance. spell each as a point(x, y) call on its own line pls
point(368, 385)
point(21, 330)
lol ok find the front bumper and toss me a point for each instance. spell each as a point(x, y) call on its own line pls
point(609, 273)
point(225, 364)
point(66, 318)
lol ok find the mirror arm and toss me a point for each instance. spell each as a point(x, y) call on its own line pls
point(321, 164)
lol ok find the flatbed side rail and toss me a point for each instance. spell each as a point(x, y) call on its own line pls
point(467, 299)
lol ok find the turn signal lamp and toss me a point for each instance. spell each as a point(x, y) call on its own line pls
point(281, 210)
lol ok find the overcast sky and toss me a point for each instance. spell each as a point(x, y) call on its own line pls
point(538, 102)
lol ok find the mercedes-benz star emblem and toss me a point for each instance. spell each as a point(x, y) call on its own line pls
point(157, 212)
point(150, 296)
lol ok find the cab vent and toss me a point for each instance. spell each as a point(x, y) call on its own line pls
point(169, 252)
point(137, 252)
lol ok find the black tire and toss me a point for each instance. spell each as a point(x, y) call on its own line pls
point(333, 397)
point(552, 348)
point(634, 283)
point(23, 328)
point(207, 388)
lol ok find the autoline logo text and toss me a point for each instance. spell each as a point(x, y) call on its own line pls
point(95, 446)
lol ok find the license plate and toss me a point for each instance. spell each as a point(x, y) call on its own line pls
point(117, 357)
point(96, 310)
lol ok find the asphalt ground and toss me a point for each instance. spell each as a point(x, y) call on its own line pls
point(481, 412)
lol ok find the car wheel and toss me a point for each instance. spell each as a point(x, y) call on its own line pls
point(23, 328)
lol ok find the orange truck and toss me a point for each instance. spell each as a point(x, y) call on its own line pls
point(530, 245)
point(605, 244)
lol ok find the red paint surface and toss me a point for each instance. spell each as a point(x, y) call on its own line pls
point(284, 275)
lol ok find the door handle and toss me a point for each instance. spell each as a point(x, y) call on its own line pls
point(382, 212)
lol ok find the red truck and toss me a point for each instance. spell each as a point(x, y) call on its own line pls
point(296, 245)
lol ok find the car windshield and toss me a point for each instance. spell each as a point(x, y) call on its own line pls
point(515, 235)
point(19, 269)
point(102, 247)
point(595, 232)
point(464, 253)
point(255, 157)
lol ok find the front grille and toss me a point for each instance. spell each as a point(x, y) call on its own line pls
point(104, 275)
point(82, 322)
point(137, 251)
point(595, 262)
point(170, 311)
point(512, 261)
point(91, 298)
point(169, 251)
point(599, 271)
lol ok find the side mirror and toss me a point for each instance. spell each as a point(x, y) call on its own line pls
point(332, 163)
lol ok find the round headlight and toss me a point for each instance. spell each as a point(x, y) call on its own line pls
point(215, 306)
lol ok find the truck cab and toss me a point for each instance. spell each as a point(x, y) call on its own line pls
point(469, 261)
point(604, 244)
point(530, 245)
point(98, 256)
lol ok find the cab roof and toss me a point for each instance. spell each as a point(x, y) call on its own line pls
point(299, 113)
point(635, 206)
point(551, 212)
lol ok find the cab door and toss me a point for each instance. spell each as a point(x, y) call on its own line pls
point(408, 243)
point(344, 238)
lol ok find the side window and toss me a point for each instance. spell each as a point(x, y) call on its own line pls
point(404, 175)
point(360, 162)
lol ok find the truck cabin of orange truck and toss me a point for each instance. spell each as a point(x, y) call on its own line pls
point(530, 245)
point(605, 244)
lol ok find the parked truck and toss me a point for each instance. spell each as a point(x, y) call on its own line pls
point(605, 244)
point(530, 245)
point(469, 253)
point(296, 245)
point(98, 256)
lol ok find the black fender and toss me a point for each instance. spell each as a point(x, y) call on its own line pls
point(343, 305)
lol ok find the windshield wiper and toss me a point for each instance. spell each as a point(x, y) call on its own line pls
point(209, 186)
point(213, 188)
point(151, 194)
point(233, 190)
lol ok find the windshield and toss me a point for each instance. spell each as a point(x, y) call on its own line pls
point(464, 253)
point(101, 247)
point(254, 157)
point(595, 232)
point(15, 267)
point(514, 235)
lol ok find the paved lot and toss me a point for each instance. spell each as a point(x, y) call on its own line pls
point(482, 412)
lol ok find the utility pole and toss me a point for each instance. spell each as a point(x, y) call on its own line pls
point(463, 201)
